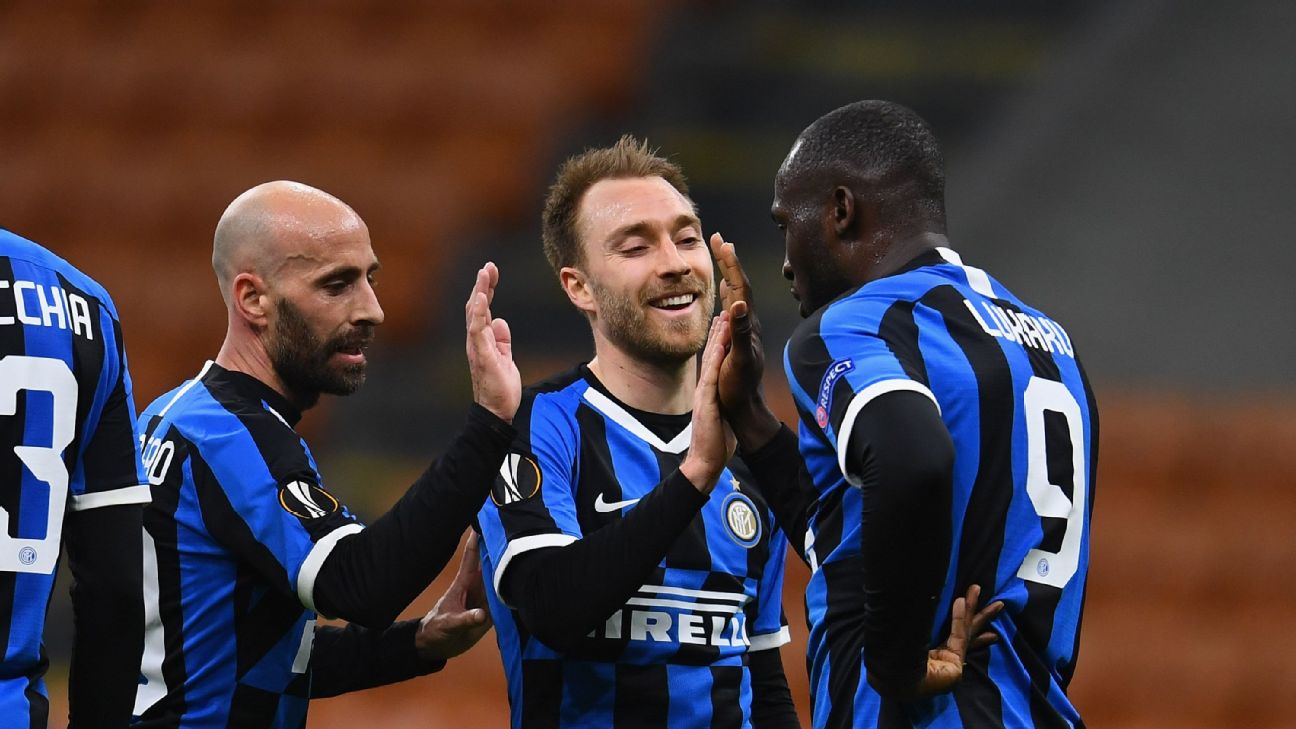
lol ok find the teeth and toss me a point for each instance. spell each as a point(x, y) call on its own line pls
point(677, 300)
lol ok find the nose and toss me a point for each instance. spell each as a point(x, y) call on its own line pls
point(369, 311)
point(670, 262)
point(787, 269)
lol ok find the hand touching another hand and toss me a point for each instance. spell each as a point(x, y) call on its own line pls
point(713, 442)
point(740, 392)
point(459, 619)
point(496, 384)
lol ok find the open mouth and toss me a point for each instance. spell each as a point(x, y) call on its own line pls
point(352, 351)
point(678, 302)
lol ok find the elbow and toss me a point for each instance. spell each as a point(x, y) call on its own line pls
point(557, 634)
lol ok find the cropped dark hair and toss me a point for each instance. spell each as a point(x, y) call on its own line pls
point(883, 143)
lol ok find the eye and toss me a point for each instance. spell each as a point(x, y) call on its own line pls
point(689, 241)
point(336, 287)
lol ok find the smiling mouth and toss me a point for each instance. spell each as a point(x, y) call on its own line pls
point(674, 303)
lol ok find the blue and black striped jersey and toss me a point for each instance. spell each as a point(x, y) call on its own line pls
point(67, 423)
point(1024, 426)
point(675, 654)
point(239, 526)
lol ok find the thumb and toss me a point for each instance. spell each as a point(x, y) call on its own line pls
point(463, 619)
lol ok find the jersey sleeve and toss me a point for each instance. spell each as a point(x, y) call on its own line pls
point(531, 504)
point(838, 363)
point(769, 627)
point(112, 472)
point(263, 499)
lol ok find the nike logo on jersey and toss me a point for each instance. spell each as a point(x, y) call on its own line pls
point(604, 507)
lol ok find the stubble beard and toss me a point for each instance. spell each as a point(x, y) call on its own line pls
point(302, 361)
point(629, 326)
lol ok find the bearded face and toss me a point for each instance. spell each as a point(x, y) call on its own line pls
point(665, 323)
point(307, 362)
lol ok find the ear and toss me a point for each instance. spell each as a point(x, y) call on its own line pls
point(844, 210)
point(251, 300)
point(577, 287)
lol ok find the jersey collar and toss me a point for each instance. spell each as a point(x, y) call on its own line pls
point(249, 387)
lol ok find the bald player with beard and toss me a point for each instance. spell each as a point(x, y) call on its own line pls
point(244, 545)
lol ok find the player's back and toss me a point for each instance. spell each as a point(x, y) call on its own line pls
point(1024, 426)
point(62, 371)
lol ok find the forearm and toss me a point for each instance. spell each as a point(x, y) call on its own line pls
point(772, 706)
point(901, 457)
point(563, 593)
point(105, 555)
point(371, 576)
point(781, 475)
point(354, 658)
point(753, 423)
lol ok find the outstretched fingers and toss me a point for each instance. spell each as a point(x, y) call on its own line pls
point(717, 342)
point(477, 309)
point(735, 285)
point(979, 630)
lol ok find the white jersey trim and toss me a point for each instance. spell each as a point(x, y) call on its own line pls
point(315, 560)
point(620, 416)
point(188, 386)
point(765, 641)
point(705, 607)
point(138, 494)
point(864, 397)
point(153, 688)
point(523, 545)
point(977, 279)
point(738, 597)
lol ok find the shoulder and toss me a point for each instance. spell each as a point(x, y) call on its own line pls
point(15, 247)
point(213, 420)
point(554, 399)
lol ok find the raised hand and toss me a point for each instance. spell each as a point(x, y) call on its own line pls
point(459, 619)
point(496, 383)
point(713, 442)
point(967, 632)
point(739, 382)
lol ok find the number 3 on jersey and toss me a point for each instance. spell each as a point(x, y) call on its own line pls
point(1041, 566)
point(20, 372)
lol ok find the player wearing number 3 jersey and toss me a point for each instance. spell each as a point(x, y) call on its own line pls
point(69, 472)
point(949, 439)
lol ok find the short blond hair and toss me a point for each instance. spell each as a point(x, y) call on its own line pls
point(628, 158)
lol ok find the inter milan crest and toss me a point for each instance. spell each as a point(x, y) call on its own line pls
point(519, 480)
point(741, 520)
point(306, 500)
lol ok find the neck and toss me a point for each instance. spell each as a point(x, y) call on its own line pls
point(655, 387)
point(900, 251)
point(238, 354)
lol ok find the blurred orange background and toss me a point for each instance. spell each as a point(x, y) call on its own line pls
point(1124, 167)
